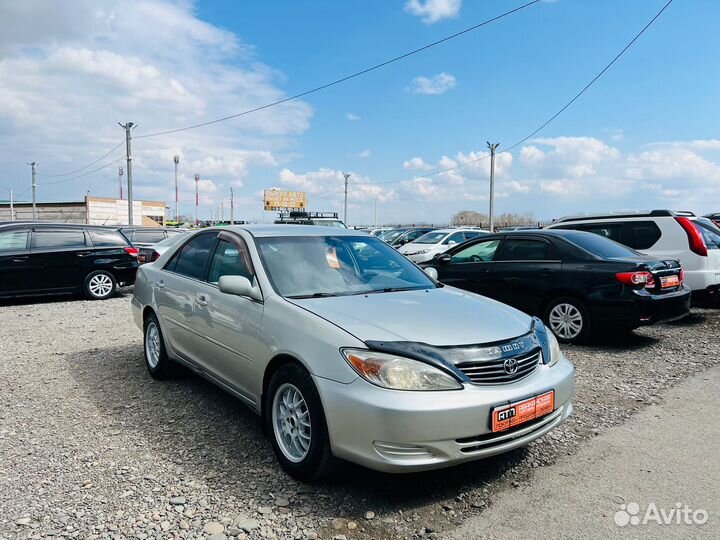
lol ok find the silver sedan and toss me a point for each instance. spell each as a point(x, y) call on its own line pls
point(347, 350)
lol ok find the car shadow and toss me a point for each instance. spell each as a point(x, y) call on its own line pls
point(55, 298)
point(218, 439)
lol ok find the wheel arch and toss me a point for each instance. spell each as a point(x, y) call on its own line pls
point(278, 361)
point(562, 293)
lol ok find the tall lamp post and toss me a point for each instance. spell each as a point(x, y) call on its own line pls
point(176, 160)
point(492, 148)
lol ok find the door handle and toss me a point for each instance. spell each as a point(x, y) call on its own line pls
point(20, 259)
point(83, 253)
point(160, 284)
point(201, 300)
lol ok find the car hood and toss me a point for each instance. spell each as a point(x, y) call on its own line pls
point(441, 317)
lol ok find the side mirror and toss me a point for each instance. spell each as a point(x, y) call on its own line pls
point(238, 286)
point(430, 271)
point(443, 258)
point(451, 242)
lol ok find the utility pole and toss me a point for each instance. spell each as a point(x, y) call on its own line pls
point(197, 198)
point(34, 185)
point(176, 160)
point(346, 175)
point(12, 207)
point(375, 224)
point(128, 155)
point(222, 211)
point(232, 208)
point(492, 148)
point(120, 175)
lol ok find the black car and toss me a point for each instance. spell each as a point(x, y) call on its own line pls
point(48, 258)
point(147, 236)
point(575, 281)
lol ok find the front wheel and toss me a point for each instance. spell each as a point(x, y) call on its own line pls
point(99, 285)
point(569, 320)
point(295, 421)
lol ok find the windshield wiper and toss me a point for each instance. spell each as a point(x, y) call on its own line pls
point(314, 295)
point(396, 289)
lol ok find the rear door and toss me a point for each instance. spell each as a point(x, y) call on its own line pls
point(15, 265)
point(57, 254)
point(471, 267)
point(527, 268)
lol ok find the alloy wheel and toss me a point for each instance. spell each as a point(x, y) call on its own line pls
point(100, 285)
point(566, 321)
point(152, 344)
point(291, 422)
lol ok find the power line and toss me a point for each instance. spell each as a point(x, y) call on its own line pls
point(343, 79)
point(84, 174)
point(549, 120)
point(86, 166)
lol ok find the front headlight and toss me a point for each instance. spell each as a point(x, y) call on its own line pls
point(398, 373)
point(554, 347)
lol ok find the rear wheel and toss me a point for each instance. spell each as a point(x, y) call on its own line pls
point(157, 361)
point(569, 320)
point(295, 420)
point(99, 285)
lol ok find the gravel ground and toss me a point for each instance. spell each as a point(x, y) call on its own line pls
point(91, 447)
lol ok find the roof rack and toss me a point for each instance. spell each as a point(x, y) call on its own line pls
point(653, 213)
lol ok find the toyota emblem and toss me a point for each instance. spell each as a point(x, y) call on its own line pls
point(511, 366)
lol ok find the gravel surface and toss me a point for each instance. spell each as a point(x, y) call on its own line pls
point(91, 447)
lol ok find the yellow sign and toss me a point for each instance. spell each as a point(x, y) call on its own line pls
point(284, 200)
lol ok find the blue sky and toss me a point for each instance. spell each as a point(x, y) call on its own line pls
point(645, 135)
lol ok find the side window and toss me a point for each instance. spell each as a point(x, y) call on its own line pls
point(643, 234)
point(101, 238)
point(456, 238)
point(480, 252)
point(148, 237)
point(469, 235)
point(191, 259)
point(227, 261)
point(58, 239)
point(613, 231)
point(15, 240)
point(517, 249)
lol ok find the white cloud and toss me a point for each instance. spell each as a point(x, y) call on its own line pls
point(352, 117)
point(328, 185)
point(574, 157)
point(416, 163)
point(365, 153)
point(67, 77)
point(435, 85)
point(433, 11)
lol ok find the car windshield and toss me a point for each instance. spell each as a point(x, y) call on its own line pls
point(329, 223)
point(601, 246)
point(317, 266)
point(171, 240)
point(431, 238)
point(389, 236)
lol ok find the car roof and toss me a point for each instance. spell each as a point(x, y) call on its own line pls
point(58, 224)
point(276, 230)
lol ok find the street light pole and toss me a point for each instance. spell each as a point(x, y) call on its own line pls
point(120, 175)
point(232, 208)
point(176, 160)
point(128, 156)
point(492, 148)
point(34, 185)
point(346, 175)
point(197, 198)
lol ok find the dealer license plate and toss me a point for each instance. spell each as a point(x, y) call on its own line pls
point(669, 281)
point(508, 416)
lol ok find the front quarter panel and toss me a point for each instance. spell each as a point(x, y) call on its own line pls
point(314, 341)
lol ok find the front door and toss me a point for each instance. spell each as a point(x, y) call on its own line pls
point(57, 253)
point(472, 268)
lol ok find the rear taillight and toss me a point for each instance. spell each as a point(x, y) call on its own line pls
point(697, 244)
point(131, 251)
point(155, 256)
point(681, 276)
point(636, 279)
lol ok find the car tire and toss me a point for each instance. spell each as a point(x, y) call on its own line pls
point(569, 320)
point(99, 285)
point(158, 363)
point(303, 451)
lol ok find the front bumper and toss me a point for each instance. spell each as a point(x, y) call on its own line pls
point(397, 431)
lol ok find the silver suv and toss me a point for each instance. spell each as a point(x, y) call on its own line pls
point(348, 350)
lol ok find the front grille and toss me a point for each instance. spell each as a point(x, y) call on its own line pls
point(493, 371)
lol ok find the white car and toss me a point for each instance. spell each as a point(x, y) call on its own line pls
point(694, 241)
point(435, 242)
